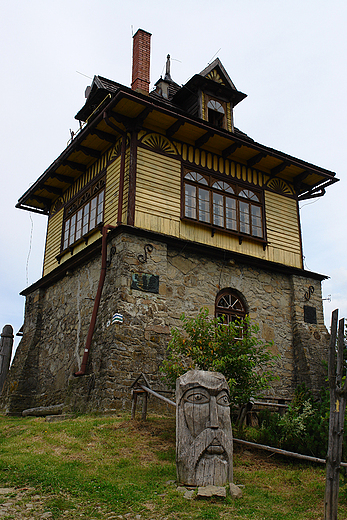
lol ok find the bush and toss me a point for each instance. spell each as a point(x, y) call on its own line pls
point(206, 343)
point(304, 428)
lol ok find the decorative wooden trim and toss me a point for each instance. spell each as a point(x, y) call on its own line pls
point(280, 186)
point(158, 143)
point(300, 236)
point(132, 179)
point(121, 180)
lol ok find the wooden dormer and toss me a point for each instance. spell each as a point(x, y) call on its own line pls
point(211, 96)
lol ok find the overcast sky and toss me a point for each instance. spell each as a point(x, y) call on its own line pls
point(289, 56)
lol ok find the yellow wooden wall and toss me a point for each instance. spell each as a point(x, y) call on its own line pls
point(158, 187)
point(53, 241)
point(112, 192)
point(158, 196)
point(283, 230)
point(55, 223)
point(158, 207)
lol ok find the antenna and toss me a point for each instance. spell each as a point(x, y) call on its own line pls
point(85, 75)
point(214, 56)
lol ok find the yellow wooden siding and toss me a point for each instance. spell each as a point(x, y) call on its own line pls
point(112, 193)
point(158, 208)
point(203, 235)
point(158, 203)
point(283, 231)
point(55, 223)
point(158, 187)
point(53, 241)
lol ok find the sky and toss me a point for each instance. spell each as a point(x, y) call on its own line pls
point(288, 56)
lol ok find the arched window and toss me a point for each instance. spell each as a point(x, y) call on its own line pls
point(230, 305)
point(216, 113)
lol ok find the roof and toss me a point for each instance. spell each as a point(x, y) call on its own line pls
point(111, 109)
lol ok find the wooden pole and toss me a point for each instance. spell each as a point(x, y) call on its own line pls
point(133, 405)
point(338, 396)
point(144, 406)
point(283, 452)
point(6, 344)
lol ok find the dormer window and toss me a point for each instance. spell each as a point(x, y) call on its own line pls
point(216, 113)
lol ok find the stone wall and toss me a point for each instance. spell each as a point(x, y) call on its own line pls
point(57, 320)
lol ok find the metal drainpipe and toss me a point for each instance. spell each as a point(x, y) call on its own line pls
point(82, 370)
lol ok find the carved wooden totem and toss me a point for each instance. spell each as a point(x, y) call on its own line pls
point(204, 441)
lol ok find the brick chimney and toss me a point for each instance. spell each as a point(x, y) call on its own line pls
point(141, 61)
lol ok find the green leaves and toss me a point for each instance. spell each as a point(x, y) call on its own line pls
point(233, 349)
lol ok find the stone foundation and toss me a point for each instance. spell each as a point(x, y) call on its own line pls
point(57, 318)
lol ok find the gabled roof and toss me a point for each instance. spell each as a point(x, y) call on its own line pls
point(217, 72)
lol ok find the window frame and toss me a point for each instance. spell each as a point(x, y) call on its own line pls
point(233, 293)
point(75, 213)
point(223, 103)
point(256, 208)
point(231, 315)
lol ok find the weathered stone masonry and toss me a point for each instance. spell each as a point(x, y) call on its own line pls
point(57, 318)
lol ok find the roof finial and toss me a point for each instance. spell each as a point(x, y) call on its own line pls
point(167, 71)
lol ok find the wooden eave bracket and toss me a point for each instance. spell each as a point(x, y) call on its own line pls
point(43, 200)
point(51, 189)
point(203, 139)
point(66, 179)
point(278, 169)
point(74, 165)
point(256, 159)
point(174, 128)
point(231, 149)
point(112, 125)
point(91, 152)
point(104, 136)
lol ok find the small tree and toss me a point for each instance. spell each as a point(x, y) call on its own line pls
point(234, 350)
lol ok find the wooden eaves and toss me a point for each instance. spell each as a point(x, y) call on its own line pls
point(124, 110)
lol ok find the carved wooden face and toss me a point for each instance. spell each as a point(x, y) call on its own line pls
point(204, 434)
point(206, 408)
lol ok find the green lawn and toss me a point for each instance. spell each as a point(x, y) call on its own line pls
point(110, 467)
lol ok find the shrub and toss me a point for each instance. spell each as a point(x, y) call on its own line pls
point(206, 343)
point(304, 428)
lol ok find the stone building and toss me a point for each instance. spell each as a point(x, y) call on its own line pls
point(160, 205)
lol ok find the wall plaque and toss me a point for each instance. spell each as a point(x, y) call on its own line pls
point(145, 282)
point(310, 315)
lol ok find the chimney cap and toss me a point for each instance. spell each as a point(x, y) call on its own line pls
point(143, 31)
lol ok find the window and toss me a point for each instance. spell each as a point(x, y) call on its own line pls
point(216, 113)
point(223, 204)
point(84, 215)
point(231, 307)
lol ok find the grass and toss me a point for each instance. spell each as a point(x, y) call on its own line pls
point(110, 467)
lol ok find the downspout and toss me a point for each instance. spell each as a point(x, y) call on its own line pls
point(82, 370)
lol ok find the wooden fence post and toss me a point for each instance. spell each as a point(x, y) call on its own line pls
point(133, 404)
point(338, 396)
point(6, 344)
